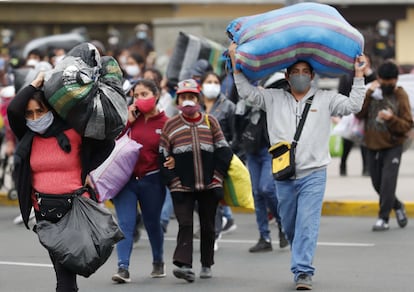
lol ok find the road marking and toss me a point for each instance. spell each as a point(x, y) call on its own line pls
point(346, 244)
point(26, 264)
point(243, 241)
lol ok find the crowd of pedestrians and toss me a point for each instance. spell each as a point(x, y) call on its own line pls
point(189, 132)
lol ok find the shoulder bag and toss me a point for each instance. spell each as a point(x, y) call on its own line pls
point(283, 153)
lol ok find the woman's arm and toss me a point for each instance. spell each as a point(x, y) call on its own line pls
point(17, 107)
point(16, 110)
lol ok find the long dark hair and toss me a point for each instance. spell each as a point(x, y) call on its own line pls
point(40, 98)
point(208, 73)
point(151, 85)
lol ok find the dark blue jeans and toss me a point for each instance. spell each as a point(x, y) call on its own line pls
point(264, 189)
point(150, 193)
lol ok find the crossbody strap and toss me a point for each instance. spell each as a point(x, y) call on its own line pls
point(302, 121)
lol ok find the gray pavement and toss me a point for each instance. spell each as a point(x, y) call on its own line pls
point(354, 195)
point(349, 257)
point(356, 187)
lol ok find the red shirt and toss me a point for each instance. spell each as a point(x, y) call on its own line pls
point(147, 133)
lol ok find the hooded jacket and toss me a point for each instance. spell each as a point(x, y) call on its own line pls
point(283, 113)
point(390, 133)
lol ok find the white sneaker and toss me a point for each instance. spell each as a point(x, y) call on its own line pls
point(19, 219)
point(380, 225)
point(32, 214)
point(229, 227)
point(216, 246)
point(223, 222)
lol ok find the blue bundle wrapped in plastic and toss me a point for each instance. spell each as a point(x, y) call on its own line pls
point(316, 33)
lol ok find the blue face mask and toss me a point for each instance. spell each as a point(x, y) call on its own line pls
point(141, 35)
point(41, 124)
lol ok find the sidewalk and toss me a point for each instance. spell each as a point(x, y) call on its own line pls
point(352, 195)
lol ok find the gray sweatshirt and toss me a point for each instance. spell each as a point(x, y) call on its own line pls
point(283, 113)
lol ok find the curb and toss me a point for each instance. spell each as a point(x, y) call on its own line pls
point(359, 208)
point(329, 208)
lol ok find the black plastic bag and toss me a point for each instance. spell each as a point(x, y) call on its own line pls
point(83, 239)
point(85, 89)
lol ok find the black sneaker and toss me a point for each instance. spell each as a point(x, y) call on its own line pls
point(164, 227)
point(365, 172)
point(185, 273)
point(304, 282)
point(283, 242)
point(401, 216)
point(122, 276)
point(158, 270)
point(230, 226)
point(262, 245)
point(342, 170)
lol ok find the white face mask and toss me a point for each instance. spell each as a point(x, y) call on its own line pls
point(132, 70)
point(188, 103)
point(211, 90)
point(383, 32)
point(59, 58)
point(41, 124)
point(32, 62)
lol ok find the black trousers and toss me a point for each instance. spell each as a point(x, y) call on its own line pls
point(384, 166)
point(66, 280)
point(348, 144)
point(184, 211)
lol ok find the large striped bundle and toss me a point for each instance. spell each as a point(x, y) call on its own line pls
point(313, 32)
point(188, 49)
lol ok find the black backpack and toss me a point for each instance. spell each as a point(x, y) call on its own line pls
point(255, 135)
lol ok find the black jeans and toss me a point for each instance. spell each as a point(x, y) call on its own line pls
point(184, 210)
point(384, 166)
point(66, 280)
point(348, 144)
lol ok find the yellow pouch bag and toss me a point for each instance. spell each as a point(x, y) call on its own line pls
point(283, 160)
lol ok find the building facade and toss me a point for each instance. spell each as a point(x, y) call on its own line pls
point(103, 19)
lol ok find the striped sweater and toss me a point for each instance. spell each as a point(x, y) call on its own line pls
point(202, 154)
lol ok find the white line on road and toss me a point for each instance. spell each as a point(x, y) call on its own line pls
point(346, 244)
point(334, 244)
point(26, 264)
point(243, 241)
